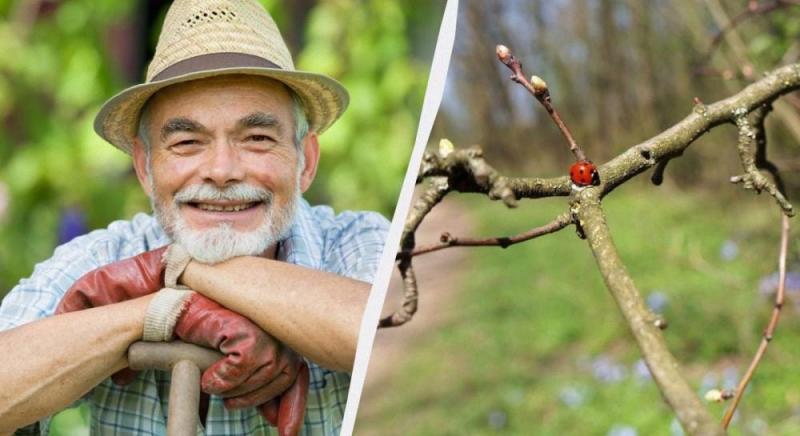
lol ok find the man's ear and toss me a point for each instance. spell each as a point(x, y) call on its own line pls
point(140, 165)
point(311, 153)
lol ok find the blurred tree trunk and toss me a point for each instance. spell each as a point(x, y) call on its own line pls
point(297, 12)
point(645, 81)
point(610, 71)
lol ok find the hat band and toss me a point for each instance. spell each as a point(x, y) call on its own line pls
point(213, 61)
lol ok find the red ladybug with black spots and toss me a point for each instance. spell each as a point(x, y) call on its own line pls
point(584, 173)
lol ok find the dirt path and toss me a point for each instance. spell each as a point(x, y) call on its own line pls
point(439, 285)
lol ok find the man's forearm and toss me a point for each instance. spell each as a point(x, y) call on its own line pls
point(48, 364)
point(318, 314)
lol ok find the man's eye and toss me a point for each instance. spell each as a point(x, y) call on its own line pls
point(186, 143)
point(259, 138)
point(185, 146)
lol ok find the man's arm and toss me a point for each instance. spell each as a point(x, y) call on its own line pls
point(316, 313)
point(48, 364)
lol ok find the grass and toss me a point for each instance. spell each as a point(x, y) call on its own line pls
point(540, 348)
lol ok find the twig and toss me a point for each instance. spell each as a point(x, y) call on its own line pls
point(539, 89)
point(410, 297)
point(435, 192)
point(752, 152)
point(448, 240)
point(770, 330)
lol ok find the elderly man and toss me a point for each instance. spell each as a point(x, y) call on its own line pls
point(223, 136)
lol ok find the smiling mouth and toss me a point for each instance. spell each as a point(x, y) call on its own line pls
point(217, 207)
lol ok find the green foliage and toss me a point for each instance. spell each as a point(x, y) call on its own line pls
point(365, 45)
point(536, 344)
point(50, 158)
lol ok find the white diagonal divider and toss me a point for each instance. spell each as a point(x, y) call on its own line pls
point(430, 107)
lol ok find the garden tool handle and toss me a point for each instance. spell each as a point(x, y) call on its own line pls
point(186, 361)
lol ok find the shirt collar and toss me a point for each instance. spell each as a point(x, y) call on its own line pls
point(303, 246)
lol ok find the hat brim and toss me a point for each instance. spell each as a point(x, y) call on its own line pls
point(324, 99)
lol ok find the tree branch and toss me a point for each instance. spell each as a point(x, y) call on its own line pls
point(770, 330)
point(447, 240)
point(410, 297)
point(645, 325)
point(752, 152)
point(635, 160)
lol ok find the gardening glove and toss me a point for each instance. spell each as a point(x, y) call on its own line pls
point(256, 368)
point(116, 282)
point(120, 281)
point(286, 411)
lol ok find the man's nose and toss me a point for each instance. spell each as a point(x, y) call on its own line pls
point(223, 165)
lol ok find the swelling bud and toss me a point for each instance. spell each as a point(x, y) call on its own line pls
point(503, 53)
point(539, 85)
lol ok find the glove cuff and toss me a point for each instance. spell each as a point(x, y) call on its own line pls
point(176, 258)
point(163, 313)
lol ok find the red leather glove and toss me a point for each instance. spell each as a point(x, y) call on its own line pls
point(256, 368)
point(113, 283)
point(120, 281)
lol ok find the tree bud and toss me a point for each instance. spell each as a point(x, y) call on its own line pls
point(503, 53)
point(445, 147)
point(539, 85)
point(714, 395)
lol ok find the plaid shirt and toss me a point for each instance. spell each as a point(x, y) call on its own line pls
point(349, 244)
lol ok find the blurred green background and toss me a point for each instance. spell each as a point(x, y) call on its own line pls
point(532, 343)
point(61, 59)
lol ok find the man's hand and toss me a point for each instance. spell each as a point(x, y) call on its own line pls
point(114, 283)
point(256, 368)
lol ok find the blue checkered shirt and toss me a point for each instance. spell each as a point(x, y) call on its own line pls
point(348, 244)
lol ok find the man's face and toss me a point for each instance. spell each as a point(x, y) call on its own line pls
point(224, 172)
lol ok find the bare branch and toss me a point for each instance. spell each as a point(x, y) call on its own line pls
point(435, 192)
point(538, 88)
point(448, 240)
point(645, 325)
point(410, 297)
point(770, 330)
point(752, 152)
point(673, 141)
point(466, 170)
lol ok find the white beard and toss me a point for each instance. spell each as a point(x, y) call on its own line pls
point(223, 242)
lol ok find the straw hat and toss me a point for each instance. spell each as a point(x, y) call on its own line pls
point(205, 38)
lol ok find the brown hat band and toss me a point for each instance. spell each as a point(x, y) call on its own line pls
point(213, 61)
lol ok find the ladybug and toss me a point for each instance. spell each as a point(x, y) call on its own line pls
point(584, 173)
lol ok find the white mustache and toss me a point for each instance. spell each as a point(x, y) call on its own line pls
point(206, 192)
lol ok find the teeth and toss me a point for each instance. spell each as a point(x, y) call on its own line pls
point(220, 208)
